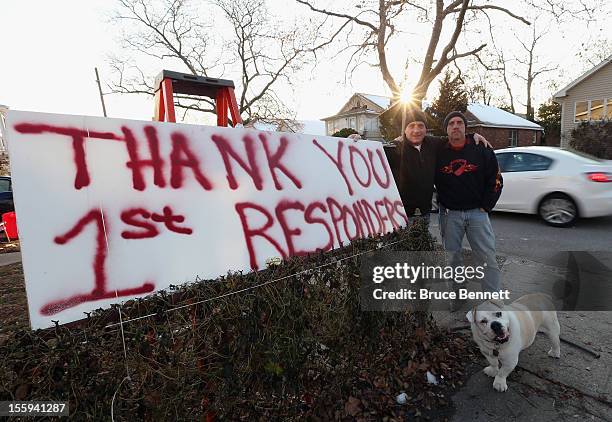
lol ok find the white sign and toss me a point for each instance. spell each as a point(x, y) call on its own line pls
point(109, 209)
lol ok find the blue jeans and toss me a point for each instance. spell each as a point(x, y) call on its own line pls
point(474, 224)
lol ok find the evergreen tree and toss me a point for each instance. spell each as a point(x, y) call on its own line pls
point(549, 117)
point(390, 120)
point(452, 97)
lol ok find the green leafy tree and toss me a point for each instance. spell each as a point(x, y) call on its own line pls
point(452, 97)
point(549, 117)
point(594, 138)
point(344, 133)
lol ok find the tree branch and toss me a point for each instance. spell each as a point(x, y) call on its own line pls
point(490, 6)
point(338, 15)
point(468, 53)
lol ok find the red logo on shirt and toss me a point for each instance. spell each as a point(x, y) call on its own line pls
point(458, 167)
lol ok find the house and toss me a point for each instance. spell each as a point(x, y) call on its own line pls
point(361, 113)
point(501, 128)
point(588, 98)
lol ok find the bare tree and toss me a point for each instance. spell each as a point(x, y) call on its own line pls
point(259, 52)
point(377, 19)
point(503, 66)
point(164, 30)
point(561, 10)
point(498, 63)
point(481, 81)
point(532, 69)
point(594, 52)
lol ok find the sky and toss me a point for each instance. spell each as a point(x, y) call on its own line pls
point(50, 49)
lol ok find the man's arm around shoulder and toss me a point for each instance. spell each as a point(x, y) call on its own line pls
point(494, 181)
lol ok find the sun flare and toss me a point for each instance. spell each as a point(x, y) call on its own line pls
point(406, 96)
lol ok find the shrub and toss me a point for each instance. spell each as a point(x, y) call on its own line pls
point(344, 133)
point(5, 165)
point(594, 138)
point(291, 344)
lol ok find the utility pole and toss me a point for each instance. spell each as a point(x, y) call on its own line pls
point(100, 89)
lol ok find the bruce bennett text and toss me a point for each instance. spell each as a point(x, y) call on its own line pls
point(426, 294)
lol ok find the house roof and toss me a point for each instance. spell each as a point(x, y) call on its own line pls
point(494, 117)
point(563, 92)
point(379, 100)
point(352, 113)
point(376, 101)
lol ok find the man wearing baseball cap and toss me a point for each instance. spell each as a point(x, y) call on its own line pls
point(469, 184)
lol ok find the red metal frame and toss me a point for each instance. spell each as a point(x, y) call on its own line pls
point(225, 101)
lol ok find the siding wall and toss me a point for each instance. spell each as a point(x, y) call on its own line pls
point(361, 123)
point(598, 86)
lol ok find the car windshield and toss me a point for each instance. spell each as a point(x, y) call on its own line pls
point(584, 155)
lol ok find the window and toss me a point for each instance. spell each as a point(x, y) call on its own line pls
point(582, 111)
point(370, 124)
point(5, 185)
point(501, 161)
point(593, 110)
point(597, 109)
point(513, 138)
point(521, 161)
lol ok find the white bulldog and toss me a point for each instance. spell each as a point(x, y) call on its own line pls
point(502, 331)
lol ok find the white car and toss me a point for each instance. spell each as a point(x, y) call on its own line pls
point(559, 185)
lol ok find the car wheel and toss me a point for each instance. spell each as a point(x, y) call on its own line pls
point(558, 210)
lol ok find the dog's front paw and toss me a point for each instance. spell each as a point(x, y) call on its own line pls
point(490, 371)
point(554, 354)
point(500, 384)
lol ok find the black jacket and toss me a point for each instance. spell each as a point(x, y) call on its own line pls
point(414, 171)
point(468, 178)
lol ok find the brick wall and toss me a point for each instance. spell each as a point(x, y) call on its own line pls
point(500, 138)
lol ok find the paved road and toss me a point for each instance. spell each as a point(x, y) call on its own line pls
point(528, 236)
